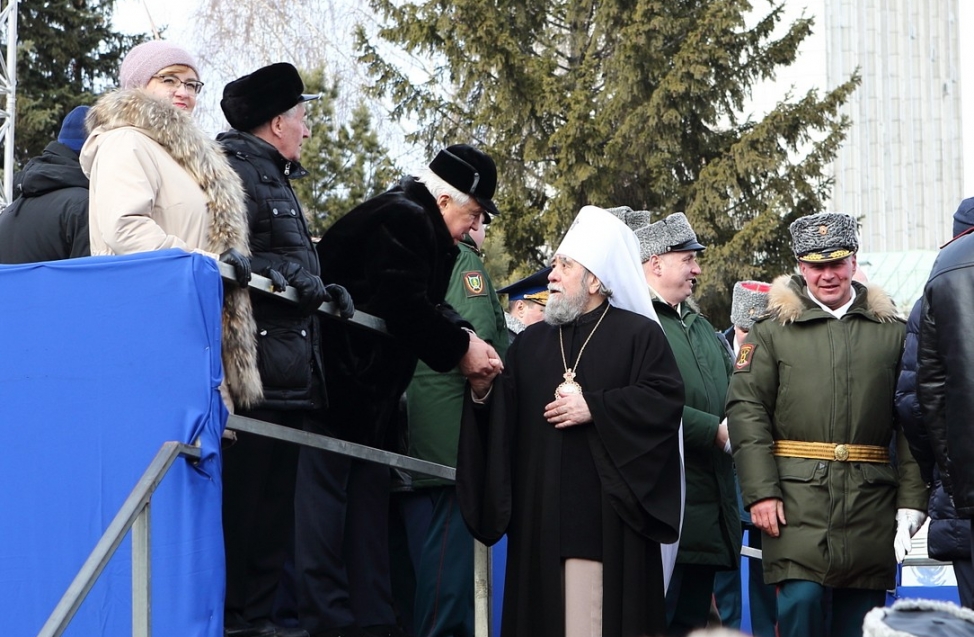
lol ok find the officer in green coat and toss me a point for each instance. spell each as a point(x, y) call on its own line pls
point(440, 547)
point(711, 537)
point(526, 301)
point(810, 410)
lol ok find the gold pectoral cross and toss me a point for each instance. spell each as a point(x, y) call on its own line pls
point(569, 386)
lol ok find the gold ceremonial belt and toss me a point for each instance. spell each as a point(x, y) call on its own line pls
point(830, 451)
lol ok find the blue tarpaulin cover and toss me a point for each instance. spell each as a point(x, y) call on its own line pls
point(102, 360)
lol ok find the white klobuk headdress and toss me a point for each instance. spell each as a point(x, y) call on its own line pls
point(608, 249)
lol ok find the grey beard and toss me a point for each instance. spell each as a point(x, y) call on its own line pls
point(562, 308)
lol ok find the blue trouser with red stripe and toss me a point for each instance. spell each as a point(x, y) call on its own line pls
point(441, 550)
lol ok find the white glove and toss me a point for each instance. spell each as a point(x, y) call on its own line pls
point(908, 522)
point(723, 433)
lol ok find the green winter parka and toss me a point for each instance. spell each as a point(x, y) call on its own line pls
point(434, 401)
point(711, 533)
point(804, 375)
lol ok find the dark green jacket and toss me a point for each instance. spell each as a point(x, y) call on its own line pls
point(434, 401)
point(711, 525)
point(804, 375)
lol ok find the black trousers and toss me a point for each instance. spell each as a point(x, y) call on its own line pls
point(258, 516)
point(342, 542)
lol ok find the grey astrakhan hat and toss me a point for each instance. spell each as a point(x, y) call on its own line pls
point(672, 234)
point(824, 237)
point(749, 302)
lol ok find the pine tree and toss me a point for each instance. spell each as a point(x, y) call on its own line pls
point(346, 161)
point(620, 102)
point(67, 52)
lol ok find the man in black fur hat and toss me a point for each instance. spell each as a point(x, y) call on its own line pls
point(266, 110)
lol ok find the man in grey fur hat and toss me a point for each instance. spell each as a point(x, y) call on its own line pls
point(811, 421)
point(711, 537)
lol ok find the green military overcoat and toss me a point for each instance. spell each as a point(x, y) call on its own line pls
point(434, 401)
point(804, 375)
point(711, 532)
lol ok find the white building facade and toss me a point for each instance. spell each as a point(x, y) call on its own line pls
point(901, 168)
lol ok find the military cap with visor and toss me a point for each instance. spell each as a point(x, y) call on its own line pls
point(533, 287)
point(672, 234)
point(824, 237)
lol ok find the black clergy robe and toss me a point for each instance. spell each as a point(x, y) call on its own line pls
point(517, 474)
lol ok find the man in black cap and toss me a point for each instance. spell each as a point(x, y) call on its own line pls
point(266, 110)
point(526, 300)
point(395, 255)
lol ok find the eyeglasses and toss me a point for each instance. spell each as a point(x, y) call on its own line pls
point(172, 83)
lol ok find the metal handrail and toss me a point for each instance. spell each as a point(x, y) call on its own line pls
point(351, 449)
point(134, 515)
point(263, 285)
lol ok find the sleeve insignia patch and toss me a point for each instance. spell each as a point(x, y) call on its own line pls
point(473, 282)
point(744, 357)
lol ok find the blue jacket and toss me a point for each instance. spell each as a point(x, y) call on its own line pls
point(948, 538)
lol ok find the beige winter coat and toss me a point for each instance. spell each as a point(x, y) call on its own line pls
point(157, 182)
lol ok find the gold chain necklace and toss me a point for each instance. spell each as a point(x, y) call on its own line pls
point(570, 386)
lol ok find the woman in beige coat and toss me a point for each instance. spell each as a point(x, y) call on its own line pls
point(158, 182)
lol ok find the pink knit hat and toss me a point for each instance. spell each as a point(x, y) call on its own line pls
point(148, 58)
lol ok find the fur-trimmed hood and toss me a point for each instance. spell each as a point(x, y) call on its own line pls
point(203, 159)
point(788, 300)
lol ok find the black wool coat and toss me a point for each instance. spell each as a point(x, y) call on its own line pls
point(394, 254)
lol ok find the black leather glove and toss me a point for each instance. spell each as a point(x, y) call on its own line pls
point(342, 300)
point(278, 282)
point(311, 291)
point(241, 266)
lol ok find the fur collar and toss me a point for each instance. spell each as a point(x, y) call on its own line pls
point(787, 300)
point(203, 159)
point(188, 145)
